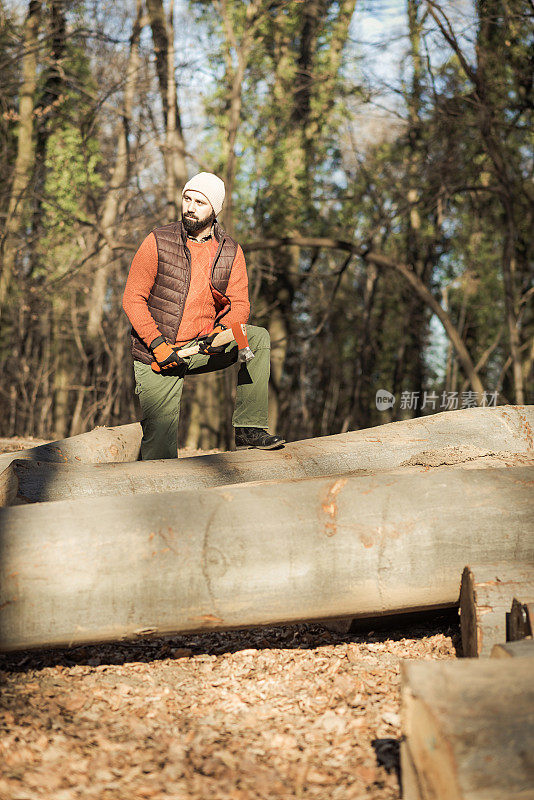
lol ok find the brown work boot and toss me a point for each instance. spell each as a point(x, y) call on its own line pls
point(247, 438)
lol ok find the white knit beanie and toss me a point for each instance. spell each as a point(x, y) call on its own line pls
point(210, 186)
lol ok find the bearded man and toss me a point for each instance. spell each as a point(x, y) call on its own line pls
point(184, 279)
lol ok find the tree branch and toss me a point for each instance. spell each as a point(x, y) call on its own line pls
point(386, 263)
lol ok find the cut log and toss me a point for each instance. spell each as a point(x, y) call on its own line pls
point(521, 649)
point(468, 730)
point(101, 445)
point(486, 593)
point(521, 619)
point(470, 438)
point(103, 568)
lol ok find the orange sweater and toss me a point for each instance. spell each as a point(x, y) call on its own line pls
point(200, 306)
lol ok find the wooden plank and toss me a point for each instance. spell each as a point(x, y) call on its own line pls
point(521, 649)
point(468, 438)
point(103, 568)
point(468, 730)
point(487, 591)
point(101, 445)
point(411, 787)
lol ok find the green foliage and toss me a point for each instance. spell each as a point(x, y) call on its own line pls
point(71, 172)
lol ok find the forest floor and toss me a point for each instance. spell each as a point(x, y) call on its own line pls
point(293, 711)
point(279, 712)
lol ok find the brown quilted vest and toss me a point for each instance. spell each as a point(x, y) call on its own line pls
point(167, 297)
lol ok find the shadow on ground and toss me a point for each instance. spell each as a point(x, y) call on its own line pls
point(303, 636)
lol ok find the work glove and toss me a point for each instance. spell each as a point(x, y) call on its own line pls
point(165, 355)
point(205, 342)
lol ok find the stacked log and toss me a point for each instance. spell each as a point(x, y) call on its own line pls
point(470, 438)
point(355, 525)
point(487, 591)
point(103, 568)
point(468, 730)
point(101, 445)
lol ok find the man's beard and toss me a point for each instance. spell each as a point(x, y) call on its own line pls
point(193, 226)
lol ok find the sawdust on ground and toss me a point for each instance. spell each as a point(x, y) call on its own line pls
point(467, 456)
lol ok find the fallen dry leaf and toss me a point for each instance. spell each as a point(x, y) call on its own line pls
point(272, 713)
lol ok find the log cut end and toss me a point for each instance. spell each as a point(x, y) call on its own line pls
point(468, 730)
point(486, 593)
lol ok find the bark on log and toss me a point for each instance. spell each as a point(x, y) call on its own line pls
point(469, 437)
point(468, 730)
point(101, 445)
point(101, 569)
point(521, 618)
point(486, 594)
point(521, 649)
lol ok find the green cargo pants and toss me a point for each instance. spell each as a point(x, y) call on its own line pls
point(160, 394)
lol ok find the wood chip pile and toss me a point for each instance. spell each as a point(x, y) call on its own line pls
point(272, 713)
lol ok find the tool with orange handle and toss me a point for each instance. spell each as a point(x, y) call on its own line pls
point(210, 344)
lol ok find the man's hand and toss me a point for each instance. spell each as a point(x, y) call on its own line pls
point(165, 355)
point(205, 342)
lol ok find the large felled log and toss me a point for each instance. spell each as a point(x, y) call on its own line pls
point(28, 481)
point(468, 730)
point(490, 436)
point(103, 568)
point(487, 591)
point(101, 445)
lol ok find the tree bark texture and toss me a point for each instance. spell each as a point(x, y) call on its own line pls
point(103, 569)
point(468, 730)
point(486, 595)
point(469, 438)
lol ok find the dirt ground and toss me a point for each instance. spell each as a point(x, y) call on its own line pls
point(280, 712)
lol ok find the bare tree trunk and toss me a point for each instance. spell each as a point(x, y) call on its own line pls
point(362, 360)
point(410, 367)
point(511, 304)
point(460, 326)
point(279, 333)
point(488, 113)
point(193, 431)
point(210, 410)
point(62, 374)
point(174, 146)
point(47, 114)
point(105, 258)
point(171, 132)
point(235, 73)
point(24, 163)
